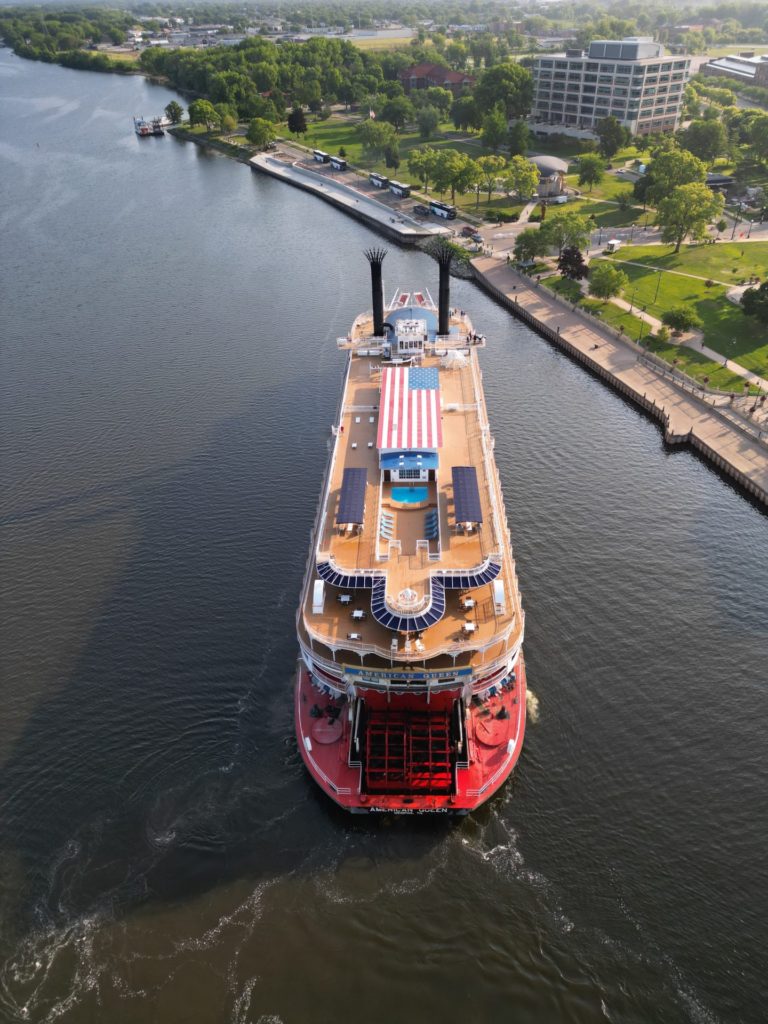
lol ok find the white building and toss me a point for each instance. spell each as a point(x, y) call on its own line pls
point(632, 79)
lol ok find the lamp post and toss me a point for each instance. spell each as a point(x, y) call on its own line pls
point(736, 223)
point(632, 300)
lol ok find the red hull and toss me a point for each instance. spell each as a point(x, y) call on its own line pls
point(406, 760)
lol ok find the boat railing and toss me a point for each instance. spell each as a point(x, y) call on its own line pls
point(401, 655)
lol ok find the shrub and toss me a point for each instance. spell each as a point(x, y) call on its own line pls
point(662, 335)
point(709, 283)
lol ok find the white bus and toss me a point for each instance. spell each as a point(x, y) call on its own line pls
point(320, 156)
point(442, 209)
point(378, 180)
point(399, 188)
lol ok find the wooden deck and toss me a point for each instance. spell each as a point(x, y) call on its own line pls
point(408, 556)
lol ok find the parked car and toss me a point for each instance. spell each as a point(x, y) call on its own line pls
point(477, 237)
point(468, 231)
point(558, 200)
point(420, 210)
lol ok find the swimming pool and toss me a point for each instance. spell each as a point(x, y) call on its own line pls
point(410, 495)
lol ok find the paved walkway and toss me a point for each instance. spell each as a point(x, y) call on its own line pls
point(688, 415)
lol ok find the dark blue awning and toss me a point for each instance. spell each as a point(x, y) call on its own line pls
point(466, 496)
point(352, 498)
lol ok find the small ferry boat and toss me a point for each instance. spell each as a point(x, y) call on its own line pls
point(410, 691)
point(145, 128)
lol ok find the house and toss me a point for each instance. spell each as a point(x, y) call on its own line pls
point(425, 76)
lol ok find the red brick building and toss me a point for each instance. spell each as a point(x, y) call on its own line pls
point(424, 76)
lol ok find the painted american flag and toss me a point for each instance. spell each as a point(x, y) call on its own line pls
point(409, 413)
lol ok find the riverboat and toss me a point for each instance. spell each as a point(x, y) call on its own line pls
point(410, 690)
point(144, 128)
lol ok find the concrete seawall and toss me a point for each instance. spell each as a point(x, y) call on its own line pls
point(739, 453)
point(391, 222)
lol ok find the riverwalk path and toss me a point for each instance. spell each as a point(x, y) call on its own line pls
point(737, 447)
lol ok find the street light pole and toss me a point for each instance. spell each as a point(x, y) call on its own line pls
point(658, 285)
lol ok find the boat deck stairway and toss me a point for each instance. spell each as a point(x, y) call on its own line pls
point(409, 751)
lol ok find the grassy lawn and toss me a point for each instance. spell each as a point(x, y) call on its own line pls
point(334, 133)
point(633, 326)
point(697, 366)
point(726, 261)
point(607, 215)
point(564, 287)
point(609, 188)
point(726, 329)
point(375, 43)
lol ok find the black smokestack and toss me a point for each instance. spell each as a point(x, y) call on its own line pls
point(376, 257)
point(443, 253)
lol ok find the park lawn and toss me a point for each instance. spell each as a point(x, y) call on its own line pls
point(375, 43)
point(333, 134)
point(611, 187)
point(726, 329)
point(607, 215)
point(564, 287)
point(611, 314)
point(697, 365)
point(729, 262)
point(129, 57)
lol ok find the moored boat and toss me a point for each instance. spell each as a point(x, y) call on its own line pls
point(410, 692)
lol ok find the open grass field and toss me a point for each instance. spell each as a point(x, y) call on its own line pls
point(611, 187)
point(377, 43)
point(633, 326)
point(724, 51)
point(729, 262)
point(607, 215)
point(726, 329)
point(129, 57)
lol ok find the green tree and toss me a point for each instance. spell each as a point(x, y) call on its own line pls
point(612, 136)
point(260, 132)
point(464, 114)
point(681, 318)
point(392, 155)
point(571, 264)
point(421, 163)
point(758, 137)
point(428, 118)
point(755, 302)
point(521, 177)
point(687, 211)
point(670, 168)
point(490, 170)
point(441, 99)
point(518, 138)
point(495, 128)
point(591, 170)
point(529, 244)
point(174, 112)
point(562, 230)
point(509, 84)
point(398, 112)
point(203, 112)
point(376, 136)
point(297, 122)
point(605, 280)
point(705, 139)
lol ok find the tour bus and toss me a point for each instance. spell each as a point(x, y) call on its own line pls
point(378, 180)
point(338, 163)
point(320, 156)
point(442, 209)
point(399, 188)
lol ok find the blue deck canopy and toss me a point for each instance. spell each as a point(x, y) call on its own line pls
point(352, 497)
point(408, 460)
point(466, 496)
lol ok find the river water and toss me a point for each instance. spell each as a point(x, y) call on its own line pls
point(169, 376)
